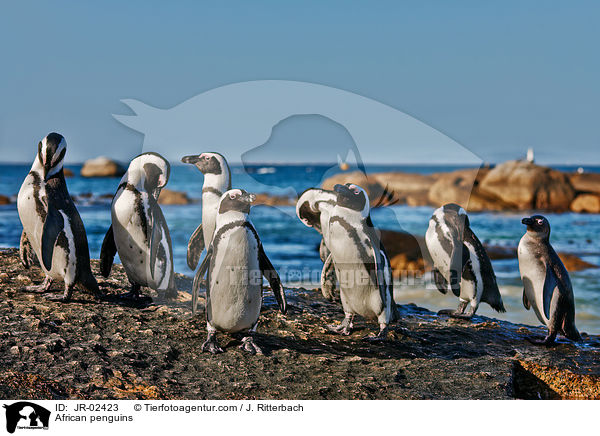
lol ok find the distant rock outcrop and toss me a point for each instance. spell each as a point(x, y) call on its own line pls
point(167, 196)
point(4, 199)
point(525, 185)
point(586, 203)
point(512, 185)
point(102, 167)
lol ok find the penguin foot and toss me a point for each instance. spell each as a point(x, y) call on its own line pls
point(211, 345)
point(341, 329)
point(58, 298)
point(455, 314)
point(379, 337)
point(249, 346)
point(39, 289)
point(548, 341)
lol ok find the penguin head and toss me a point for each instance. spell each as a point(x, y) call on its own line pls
point(307, 207)
point(537, 225)
point(352, 197)
point(455, 213)
point(208, 163)
point(236, 200)
point(149, 171)
point(51, 154)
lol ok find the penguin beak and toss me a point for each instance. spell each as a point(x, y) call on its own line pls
point(342, 190)
point(193, 159)
point(527, 221)
point(248, 198)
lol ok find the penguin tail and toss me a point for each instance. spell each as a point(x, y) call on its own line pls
point(88, 283)
point(498, 306)
point(571, 332)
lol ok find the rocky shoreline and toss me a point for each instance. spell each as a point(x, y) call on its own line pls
point(510, 186)
point(112, 349)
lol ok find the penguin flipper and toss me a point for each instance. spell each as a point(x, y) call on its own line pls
point(459, 258)
point(325, 278)
point(195, 247)
point(440, 281)
point(26, 252)
point(198, 280)
point(268, 271)
point(526, 301)
point(107, 252)
point(550, 284)
point(53, 225)
point(155, 238)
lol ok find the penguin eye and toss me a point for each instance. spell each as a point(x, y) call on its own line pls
point(232, 196)
point(540, 222)
point(206, 158)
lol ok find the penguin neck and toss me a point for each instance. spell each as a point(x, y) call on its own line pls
point(352, 216)
point(220, 182)
point(138, 179)
point(231, 216)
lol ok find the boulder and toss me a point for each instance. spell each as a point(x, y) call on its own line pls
point(408, 253)
point(573, 263)
point(370, 184)
point(168, 196)
point(102, 167)
point(67, 172)
point(4, 199)
point(586, 203)
point(273, 200)
point(525, 185)
point(586, 182)
point(462, 187)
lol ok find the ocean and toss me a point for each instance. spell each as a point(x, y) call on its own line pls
point(292, 247)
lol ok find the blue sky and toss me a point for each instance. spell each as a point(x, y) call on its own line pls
point(497, 78)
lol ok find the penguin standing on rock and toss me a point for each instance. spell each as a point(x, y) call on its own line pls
point(361, 263)
point(217, 180)
point(546, 284)
point(460, 263)
point(314, 208)
point(235, 264)
point(52, 226)
point(139, 231)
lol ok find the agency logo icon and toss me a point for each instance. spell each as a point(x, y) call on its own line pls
point(26, 415)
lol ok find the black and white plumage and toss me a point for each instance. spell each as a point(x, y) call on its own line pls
point(235, 264)
point(139, 231)
point(361, 263)
point(460, 262)
point(52, 227)
point(546, 283)
point(313, 208)
point(217, 180)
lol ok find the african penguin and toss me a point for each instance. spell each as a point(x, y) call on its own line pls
point(139, 231)
point(313, 208)
point(52, 226)
point(361, 264)
point(460, 263)
point(217, 180)
point(235, 264)
point(546, 282)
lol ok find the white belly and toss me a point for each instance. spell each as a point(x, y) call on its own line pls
point(533, 275)
point(63, 262)
point(235, 283)
point(133, 245)
point(210, 203)
point(358, 293)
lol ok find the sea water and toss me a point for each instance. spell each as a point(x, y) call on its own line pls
point(292, 247)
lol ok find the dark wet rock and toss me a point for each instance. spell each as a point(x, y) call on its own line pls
point(100, 350)
point(68, 172)
point(4, 199)
point(575, 263)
